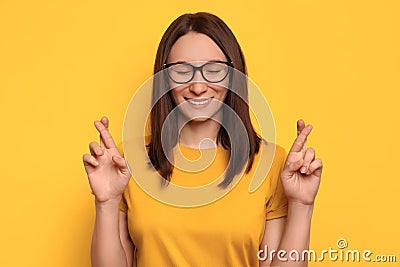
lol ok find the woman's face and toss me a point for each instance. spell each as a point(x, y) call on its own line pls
point(198, 99)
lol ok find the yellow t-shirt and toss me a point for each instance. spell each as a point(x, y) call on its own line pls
point(226, 232)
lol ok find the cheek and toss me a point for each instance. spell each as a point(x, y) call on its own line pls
point(224, 83)
point(173, 85)
point(174, 97)
point(221, 92)
point(223, 95)
point(177, 94)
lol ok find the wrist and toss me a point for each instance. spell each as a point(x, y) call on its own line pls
point(300, 215)
point(300, 207)
point(108, 204)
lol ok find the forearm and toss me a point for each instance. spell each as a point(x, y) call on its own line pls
point(106, 247)
point(296, 236)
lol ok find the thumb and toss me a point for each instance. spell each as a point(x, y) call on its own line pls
point(291, 168)
point(121, 164)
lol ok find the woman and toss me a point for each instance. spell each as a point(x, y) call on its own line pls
point(131, 227)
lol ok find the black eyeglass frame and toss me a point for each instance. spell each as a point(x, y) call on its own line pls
point(198, 68)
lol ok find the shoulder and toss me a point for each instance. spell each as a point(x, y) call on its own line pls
point(280, 153)
point(268, 164)
point(273, 151)
point(136, 143)
point(271, 160)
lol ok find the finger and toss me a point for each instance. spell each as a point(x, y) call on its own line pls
point(95, 149)
point(291, 168)
point(315, 167)
point(308, 158)
point(300, 126)
point(105, 121)
point(89, 160)
point(106, 139)
point(301, 139)
point(121, 164)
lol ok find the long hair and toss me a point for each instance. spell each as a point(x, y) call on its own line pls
point(163, 104)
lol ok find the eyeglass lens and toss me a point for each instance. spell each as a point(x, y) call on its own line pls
point(211, 72)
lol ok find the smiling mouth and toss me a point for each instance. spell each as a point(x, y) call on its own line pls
point(199, 102)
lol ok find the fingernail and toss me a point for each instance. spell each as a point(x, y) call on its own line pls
point(96, 162)
point(303, 169)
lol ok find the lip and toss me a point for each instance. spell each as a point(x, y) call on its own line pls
point(199, 102)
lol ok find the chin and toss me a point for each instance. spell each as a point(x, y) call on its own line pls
point(199, 119)
point(201, 113)
point(201, 116)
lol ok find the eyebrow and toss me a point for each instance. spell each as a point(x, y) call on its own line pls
point(213, 60)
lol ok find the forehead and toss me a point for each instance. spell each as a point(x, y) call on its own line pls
point(195, 46)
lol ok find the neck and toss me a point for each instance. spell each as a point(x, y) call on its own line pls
point(199, 134)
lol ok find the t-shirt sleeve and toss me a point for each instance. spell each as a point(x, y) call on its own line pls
point(123, 205)
point(277, 206)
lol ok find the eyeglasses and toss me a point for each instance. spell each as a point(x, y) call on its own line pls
point(212, 71)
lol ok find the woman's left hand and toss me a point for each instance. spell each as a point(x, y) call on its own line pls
point(302, 172)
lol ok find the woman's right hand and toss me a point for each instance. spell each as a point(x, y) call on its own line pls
point(106, 169)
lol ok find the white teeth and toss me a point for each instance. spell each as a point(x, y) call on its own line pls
point(199, 102)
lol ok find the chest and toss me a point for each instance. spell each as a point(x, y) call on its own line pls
point(237, 218)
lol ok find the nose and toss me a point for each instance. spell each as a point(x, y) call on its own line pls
point(198, 87)
point(198, 84)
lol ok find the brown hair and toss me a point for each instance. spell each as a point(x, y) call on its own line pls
point(218, 31)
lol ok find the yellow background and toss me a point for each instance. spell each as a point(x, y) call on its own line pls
point(64, 64)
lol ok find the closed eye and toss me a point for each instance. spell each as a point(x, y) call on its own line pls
point(213, 71)
point(182, 72)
